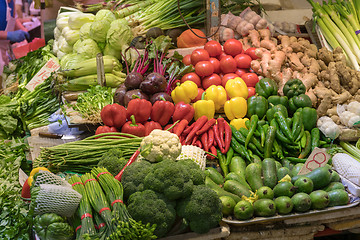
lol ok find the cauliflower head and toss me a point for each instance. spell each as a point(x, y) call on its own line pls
point(160, 145)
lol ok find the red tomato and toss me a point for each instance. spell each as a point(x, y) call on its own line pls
point(199, 55)
point(227, 77)
point(250, 79)
point(213, 47)
point(213, 79)
point(222, 54)
point(233, 47)
point(204, 68)
point(251, 91)
point(228, 64)
point(216, 64)
point(187, 60)
point(241, 71)
point(198, 97)
point(191, 77)
point(251, 53)
point(243, 61)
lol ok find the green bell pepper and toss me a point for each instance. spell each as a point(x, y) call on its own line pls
point(51, 226)
point(294, 87)
point(300, 101)
point(266, 87)
point(276, 100)
point(257, 105)
point(309, 116)
point(277, 108)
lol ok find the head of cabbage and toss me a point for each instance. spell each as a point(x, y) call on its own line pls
point(105, 14)
point(76, 21)
point(70, 60)
point(71, 36)
point(112, 52)
point(119, 34)
point(88, 48)
point(85, 31)
point(101, 25)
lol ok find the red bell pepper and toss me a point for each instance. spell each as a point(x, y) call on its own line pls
point(149, 126)
point(183, 111)
point(134, 128)
point(169, 126)
point(162, 111)
point(140, 108)
point(105, 129)
point(113, 115)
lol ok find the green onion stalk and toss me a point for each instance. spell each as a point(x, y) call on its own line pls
point(84, 211)
point(351, 150)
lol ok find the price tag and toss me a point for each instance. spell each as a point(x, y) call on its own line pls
point(42, 74)
point(318, 158)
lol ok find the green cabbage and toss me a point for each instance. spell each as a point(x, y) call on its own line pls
point(71, 36)
point(64, 46)
point(70, 60)
point(85, 31)
point(105, 14)
point(119, 34)
point(57, 33)
point(99, 29)
point(62, 22)
point(112, 52)
point(79, 19)
point(88, 48)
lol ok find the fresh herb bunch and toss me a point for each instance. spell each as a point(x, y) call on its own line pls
point(90, 103)
point(132, 230)
point(13, 211)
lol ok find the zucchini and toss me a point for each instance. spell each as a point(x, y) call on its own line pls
point(253, 176)
point(269, 172)
point(238, 165)
point(214, 175)
point(236, 177)
point(236, 188)
point(219, 191)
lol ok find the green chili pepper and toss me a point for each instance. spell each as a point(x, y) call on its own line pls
point(240, 149)
point(307, 148)
point(296, 160)
point(279, 135)
point(269, 142)
point(262, 134)
point(315, 138)
point(253, 124)
point(229, 156)
point(237, 135)
point(281, 120)
point(301, 134)
point(222, 162)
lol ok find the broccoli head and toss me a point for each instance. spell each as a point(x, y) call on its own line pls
point(171, 179)
point(202, 209)
point(151, 207)
point(197, 175)
point(133, 177)
point(113, 161)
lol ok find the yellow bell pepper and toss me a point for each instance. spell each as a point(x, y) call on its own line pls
point(204, 107)
point(235, 108)
point(36, 170)
point(239, 123)
point(236, 88)
point(217, 94)
point(185, 92)
point(30, 180)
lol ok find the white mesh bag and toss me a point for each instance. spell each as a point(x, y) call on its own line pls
point(194, 153)
point(45, 177)
point(347, 167)
point(55, 199)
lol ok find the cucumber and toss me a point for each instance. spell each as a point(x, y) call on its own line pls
point(282, 172)
point(236, 177)
point(214, 175)
point(296, 169)
point(278, 165)
point(219, 191)
point(320, 176)
point(253, 176)
point(236, 188)
point(269, 172)
point(238, 165)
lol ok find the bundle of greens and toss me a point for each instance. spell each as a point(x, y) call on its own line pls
point(82, 156)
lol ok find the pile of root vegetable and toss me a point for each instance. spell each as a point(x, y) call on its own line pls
point(328, 79)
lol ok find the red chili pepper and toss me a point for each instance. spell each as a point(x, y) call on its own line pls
point(210, 134)
point(198, 144)
point(105, 129)
point(213, 151)
point(134, 128)
point(228, 135)
point(179, 128)
point(149, 126)
point(182, 141)
point(140, 108)
point(188, 129)
point(193, 140)
point(204, 141)
point(221, 122)
point(217, 136)
point(198, 125)
point(206, 126)
point(162, 111)
point(113, 115)
point(131, 160)
point(183, 111)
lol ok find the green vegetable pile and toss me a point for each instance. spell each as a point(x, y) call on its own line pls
point(14, 223)
point(51, 226)
point(158, 193)
point(113, 161)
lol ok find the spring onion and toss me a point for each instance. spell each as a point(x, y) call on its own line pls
point(351, 150)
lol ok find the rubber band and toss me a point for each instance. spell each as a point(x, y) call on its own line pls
point(357, 32)
point(103, 209)
point(101, 225)
point(103, 173)
point(86, 215)
point(91, 179)
point(116, 201)
point(77, 228)
point(76, 183)
point(96, 227)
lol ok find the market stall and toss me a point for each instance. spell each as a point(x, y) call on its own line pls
point(137, 121)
